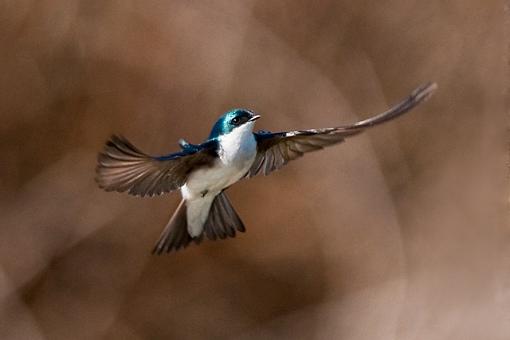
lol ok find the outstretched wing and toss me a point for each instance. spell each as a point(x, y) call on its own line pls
point(274, 150)
point(123, 167)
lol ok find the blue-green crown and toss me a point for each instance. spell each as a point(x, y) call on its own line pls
point(229, 121)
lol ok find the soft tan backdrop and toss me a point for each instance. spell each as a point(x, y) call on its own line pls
point(401, 233)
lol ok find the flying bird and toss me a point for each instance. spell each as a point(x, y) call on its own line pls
point(202, 172)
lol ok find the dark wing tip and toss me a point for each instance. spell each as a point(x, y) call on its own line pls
point(416, 97)
point(116, 162)
point(424, 92)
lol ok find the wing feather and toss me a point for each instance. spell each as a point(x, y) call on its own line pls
point(123, 167)
point(274, 150)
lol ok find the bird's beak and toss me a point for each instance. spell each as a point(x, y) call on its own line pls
point(254, 118)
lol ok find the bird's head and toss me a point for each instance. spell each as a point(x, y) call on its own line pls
point(231, 120)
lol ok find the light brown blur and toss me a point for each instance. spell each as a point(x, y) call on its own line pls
point(401, 233)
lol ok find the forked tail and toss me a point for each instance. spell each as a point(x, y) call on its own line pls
point(222, 222)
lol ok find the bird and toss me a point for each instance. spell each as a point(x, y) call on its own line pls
point(203, 172)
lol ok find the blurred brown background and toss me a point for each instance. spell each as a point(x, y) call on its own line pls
point(401, 233)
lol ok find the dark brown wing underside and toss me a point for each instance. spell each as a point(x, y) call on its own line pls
point(123, 167)
point(274, 150)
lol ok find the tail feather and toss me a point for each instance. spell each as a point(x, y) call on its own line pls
point(222, 222)
point(175, 235)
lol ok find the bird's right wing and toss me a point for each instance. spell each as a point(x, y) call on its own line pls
point(123, 167)
point(274, 150)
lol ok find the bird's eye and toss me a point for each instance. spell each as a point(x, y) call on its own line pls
point(235, 120)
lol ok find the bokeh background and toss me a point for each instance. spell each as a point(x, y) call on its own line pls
point(401, 233)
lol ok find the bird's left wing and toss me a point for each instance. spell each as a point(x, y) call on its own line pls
point(123, 167)
point(274, 150)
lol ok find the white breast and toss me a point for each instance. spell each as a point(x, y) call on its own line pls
point(238, 147)
point(237, 151)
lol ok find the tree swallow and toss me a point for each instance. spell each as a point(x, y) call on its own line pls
point(202, 172)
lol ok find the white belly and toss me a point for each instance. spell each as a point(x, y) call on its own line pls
point(211, 181)
point(236, 155)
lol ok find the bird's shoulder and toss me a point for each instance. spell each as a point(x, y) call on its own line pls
point(209, 144)
point(208, 147)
